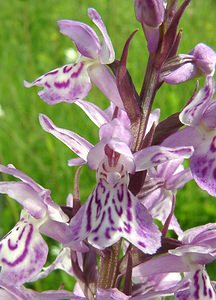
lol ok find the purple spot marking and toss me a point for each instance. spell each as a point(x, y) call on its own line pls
point(141, 244)
point(75, 74)
point(210, 293)
point(107, 198)
point(196, 284)
point(22, 232)
point(127, 227)
point(213, 145)
point(51, 73)
point(129, 215)
point(119, 210)
point(110, 215)
point(67, 69)
point(204, 285)
point(25, 252)
point(129, 203)
point(214, 173)
point(99, 225)
point(47, 84)
point(89, 212)
point(96, 238)
point(11, 246)
point(62, 85)
point(102, 186)
point(120, 193)
point(107, 233)
point(159, 158)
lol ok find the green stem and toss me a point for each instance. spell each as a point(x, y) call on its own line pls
point(109, 267)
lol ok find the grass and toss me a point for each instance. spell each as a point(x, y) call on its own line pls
point(30, 45)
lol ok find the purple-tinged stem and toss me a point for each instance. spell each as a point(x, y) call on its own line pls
point(109, 267)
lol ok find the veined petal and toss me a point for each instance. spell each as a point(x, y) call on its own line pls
point(155, 155)
point(200, 287)
point(193, 112)
point(203, 165)
point(196, 234)
point(177, 181)
point(153, 118)
point(112, 212)
point(23, 252)
point(83, 36)
point(62, 262)
point(184, 73)
point(11, 170)
point(102, 77)
point(65, 84)
point(107, 54)
point(26, 196)
point(75, 142)
point(97, 115)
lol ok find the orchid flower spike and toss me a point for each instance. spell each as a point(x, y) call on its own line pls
point(73, 82)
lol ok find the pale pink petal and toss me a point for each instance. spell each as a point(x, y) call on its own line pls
point(26, 196)
point(182, 74)
point(107, 54)
point(66, 84)
point(83, 36)
point(23, 252)
point(155, 155)
point(75, 142)
point(203, 165)
point(102, 77)
point(193, 112)
point(97, 115)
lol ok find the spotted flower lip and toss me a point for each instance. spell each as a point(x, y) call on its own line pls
point(72, 82)
point(111, 211)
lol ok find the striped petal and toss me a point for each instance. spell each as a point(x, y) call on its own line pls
point(107, 54)
point(112, 212)
point(23, 252)
point(75, 142)
point(66, 84)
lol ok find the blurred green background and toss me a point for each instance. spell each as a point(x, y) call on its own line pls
point(31, 45)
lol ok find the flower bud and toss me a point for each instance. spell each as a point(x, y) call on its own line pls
point(149, 12)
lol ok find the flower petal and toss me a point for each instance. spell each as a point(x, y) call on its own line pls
point(97, 115)
point(106, 82)
point(107, 54)
point(83, 36)
point(23, 252)
point(203, 165)
point(65, 84)
point(26, 196)
point(182, 74)
point(111, 213)
point(200, 287)
point(75, 142)
point(193, 112)
point(155, 155)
